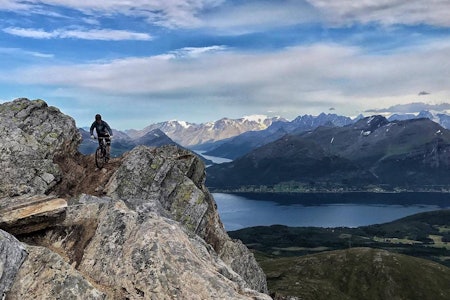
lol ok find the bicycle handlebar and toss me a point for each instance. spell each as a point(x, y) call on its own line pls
point(102, 137)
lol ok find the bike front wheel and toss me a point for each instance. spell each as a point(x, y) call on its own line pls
point(99, 158)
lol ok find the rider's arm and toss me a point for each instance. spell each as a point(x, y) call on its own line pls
point(108, 128)
point(92, 128)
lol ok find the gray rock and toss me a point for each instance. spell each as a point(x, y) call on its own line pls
point(12, 255)
point(32, 135)
point(20, 215)
point(155, 258)
point(174, 178)
point(155, 234)
point(45, 275)
point(136, 256)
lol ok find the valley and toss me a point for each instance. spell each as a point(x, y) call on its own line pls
point(301, 261)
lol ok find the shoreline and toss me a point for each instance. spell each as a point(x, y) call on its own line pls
point(440, 198)
point(331, 191)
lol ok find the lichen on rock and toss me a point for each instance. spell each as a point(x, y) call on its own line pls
point(32, 135)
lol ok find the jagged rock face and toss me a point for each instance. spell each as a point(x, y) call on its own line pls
point(173, 179)
point(12, 255)
point(21, 215)
point(151, 257)
point(131, 255)
point(45, 275)
point(31, 135)
point(155, 234)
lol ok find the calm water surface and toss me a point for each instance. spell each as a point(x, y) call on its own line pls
point(324, 209)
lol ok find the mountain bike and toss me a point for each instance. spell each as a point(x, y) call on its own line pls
point(101, 154)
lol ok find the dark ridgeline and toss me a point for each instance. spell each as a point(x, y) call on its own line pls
point(409, 154)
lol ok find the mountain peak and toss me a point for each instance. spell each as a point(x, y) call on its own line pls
point(256, 118)
point(371, 123)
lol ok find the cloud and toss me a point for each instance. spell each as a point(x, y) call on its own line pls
point(193, 51)
point(386, 12)
point(313, 77)
point(93, 34)
point(18, 51)
point(12, 5)
point(172, 14)
point(251, 15)
point(104, 34)
point(412, 108)
point(29, 33)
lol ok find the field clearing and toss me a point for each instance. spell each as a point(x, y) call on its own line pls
point(437, 239)
point(396, 241)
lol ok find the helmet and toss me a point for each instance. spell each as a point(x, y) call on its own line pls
point(98, 117)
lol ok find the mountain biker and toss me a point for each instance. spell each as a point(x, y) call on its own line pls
point(103, 131)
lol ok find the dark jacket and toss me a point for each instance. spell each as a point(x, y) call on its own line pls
point(102, 129)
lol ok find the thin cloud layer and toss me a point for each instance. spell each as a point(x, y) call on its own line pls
point(330, 74)
point(252, 14)
point(95, 34)
point(415, 107)
point(386, 12)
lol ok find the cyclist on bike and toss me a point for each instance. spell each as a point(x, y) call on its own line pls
point(103, 131)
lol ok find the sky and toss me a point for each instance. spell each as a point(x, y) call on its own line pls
point(141, 62)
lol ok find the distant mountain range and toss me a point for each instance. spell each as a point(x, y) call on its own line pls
point(233, 138)
point(372, 151)
point(178, 132)
point(191, 134)
point(242, 144)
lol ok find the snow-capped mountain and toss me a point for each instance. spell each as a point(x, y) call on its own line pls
point(189, 134)
point(435, 116)
point(244, 143)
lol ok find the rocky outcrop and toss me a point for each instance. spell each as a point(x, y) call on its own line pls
point(171, 179)
point(32, 135)
point(12, 255)
point(152, 231)
point(21, 215)
point(45, 275)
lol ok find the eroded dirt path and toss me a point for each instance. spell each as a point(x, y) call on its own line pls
point(81, 175)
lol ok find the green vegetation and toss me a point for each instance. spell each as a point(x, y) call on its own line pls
point(357, 273)
point(342, 263)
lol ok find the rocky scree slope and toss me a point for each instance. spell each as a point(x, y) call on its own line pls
point(143, 228)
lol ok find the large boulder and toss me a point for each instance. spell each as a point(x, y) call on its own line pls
point(45, 275)
point(20, 215)
point(172, 180)
point(32, 134)
point(142, 256)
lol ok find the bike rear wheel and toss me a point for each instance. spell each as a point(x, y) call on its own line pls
point(100, 158)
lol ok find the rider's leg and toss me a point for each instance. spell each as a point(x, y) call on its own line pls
point(108, 147)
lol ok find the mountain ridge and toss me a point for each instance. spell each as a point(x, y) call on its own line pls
point(232, 138)
point(372, 151)
point(189, 134)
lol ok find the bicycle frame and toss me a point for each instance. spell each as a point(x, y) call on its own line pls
point(101, 157)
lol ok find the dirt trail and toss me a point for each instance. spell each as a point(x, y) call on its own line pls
point(80, 175)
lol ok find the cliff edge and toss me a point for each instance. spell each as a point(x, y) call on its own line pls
point(144, 227)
